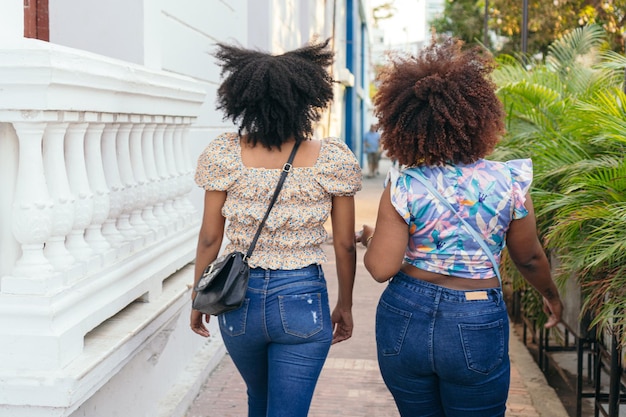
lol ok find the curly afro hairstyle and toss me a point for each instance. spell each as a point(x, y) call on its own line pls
point(274, 98)
point(439, 106)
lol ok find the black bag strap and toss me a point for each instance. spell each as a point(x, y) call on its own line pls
point(286, 169)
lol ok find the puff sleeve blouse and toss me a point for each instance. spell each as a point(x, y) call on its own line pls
point(294, 231)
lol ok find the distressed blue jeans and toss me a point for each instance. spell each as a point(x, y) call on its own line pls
point(443, 352)
point(279, 339)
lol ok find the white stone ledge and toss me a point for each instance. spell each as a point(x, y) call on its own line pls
point(61, 321)
point(37, 75)
point(107, 349)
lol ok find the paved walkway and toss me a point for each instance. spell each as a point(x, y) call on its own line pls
point(350, 383)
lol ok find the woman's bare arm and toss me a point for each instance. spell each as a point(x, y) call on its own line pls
point(342, 219)
point(530, 259)
point(209, 243)
point(386, 248)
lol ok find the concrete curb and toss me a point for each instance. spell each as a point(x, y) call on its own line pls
point(542, 395)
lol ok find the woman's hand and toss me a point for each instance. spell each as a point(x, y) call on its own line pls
point(554, 309)
point(342, 324)
point(364, 234)
point(197, 323)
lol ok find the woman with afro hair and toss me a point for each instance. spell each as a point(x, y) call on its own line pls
point(280, 337)
point(441, 324)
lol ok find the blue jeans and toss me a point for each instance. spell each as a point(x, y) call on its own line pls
point(440, 353)
point(279, 339)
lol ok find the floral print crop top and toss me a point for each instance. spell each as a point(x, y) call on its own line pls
point(295, 230)
point(487, 194)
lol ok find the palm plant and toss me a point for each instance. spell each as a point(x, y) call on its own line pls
point(569, 116)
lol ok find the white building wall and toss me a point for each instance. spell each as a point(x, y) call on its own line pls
point(139, 356)
point(11, 21)
point(189, 31)
point(114, 28)
point(144, 360)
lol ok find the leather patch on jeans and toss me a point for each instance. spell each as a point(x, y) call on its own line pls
point(476, 295)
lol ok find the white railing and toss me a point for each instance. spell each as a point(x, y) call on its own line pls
point(92, 188)
point(95, 163)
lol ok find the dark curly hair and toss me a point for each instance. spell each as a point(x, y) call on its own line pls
point(439, 106)
point(273, 98)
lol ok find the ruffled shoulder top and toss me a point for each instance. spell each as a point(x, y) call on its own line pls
point(489, 195)
point(294, 231)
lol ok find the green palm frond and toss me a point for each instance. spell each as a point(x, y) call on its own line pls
point(532, 109)
point(508, 70)
point(611, 67)
point(575, 49)
point(607, 299)
point(602, 119)
point(591, 221)
point(569, 117)
point(573, 58)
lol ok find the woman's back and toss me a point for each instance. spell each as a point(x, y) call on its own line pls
point(295, 229)
point(487, 194)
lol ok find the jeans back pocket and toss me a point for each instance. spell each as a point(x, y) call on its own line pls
point(391, 327)
point(483, 345)
point(301, 314)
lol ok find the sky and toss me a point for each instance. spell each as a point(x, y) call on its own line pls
point(408, 23)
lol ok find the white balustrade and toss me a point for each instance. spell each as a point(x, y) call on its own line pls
point(114, 184)
point(188, 169)
point(148, 157)
point(63, 199)
point(161, 175)
point(97, 181)
point(140, 180)
point(79, 184)
point(95, 217)
point(129, 184)
point(32, 206)
point(87, 183)
point(170, 175)
point(183, 183)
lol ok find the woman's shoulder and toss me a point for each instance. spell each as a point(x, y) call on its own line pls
point(334, 146)
point(519, 170)
point(219, 165)
point(518, 164)
point(338, 169)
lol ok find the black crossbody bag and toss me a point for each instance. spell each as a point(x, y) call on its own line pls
point(224, 282)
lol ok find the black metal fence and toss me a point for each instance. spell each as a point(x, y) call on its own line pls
point(599, 371)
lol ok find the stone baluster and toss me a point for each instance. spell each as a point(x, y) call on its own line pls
point(147, 147)
point(128, 182)
point(79, 184)
point(97, 181)
point(114, 184)
point(33, 207)
point(139, 175)
point(171, 186)
point(183, 182)
point(161, 172)
point(59, 188)
point(189, 167)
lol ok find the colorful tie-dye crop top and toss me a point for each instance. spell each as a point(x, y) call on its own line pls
point(294, 230)
point(487, 194)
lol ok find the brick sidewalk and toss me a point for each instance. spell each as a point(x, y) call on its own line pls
point(350, 383)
